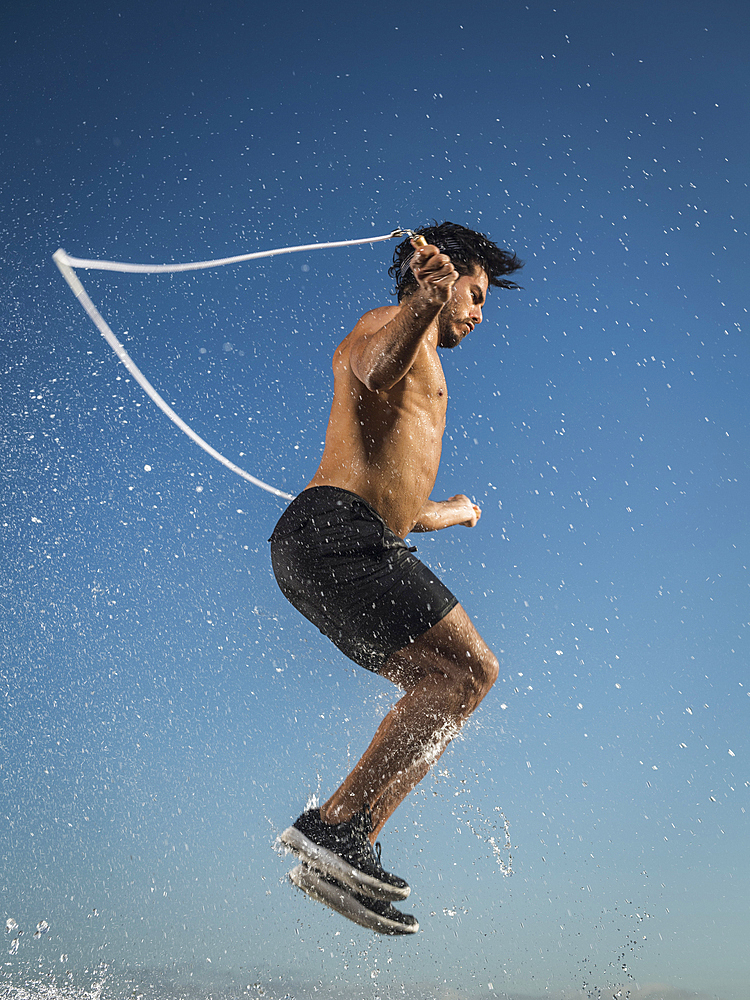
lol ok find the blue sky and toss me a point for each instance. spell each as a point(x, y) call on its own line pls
point(165, 712)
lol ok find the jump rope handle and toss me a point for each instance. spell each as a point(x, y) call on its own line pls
point(419, 241)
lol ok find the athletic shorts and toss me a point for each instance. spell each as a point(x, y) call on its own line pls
point(342, 567)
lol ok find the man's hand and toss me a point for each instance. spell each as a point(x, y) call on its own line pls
point(446, 513)
point(434, 272)
point(465, 506)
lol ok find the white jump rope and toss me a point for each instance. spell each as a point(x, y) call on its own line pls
point(67, 265)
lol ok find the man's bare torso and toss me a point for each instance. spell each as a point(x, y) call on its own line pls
point(385, 445)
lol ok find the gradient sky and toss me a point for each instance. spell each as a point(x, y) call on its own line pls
point(164, 712)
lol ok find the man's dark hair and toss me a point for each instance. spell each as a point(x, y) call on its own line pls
point(466, 250)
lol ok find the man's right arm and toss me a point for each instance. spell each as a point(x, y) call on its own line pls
point(382, 354)
point(437, 514)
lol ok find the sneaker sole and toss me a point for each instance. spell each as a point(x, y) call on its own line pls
point(338, 898)
point(328, 863)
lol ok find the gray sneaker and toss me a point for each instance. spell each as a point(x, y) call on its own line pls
point(343, 852)
point(375, 914)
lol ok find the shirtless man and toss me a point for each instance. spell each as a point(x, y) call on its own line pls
point(339, 556)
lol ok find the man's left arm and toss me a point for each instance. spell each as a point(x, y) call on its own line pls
point(437, 514)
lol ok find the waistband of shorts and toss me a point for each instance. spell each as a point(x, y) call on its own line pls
point(334, 491)
point(314, 501)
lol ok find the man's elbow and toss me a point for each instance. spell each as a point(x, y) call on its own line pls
point(373, 379)
point(375, 384)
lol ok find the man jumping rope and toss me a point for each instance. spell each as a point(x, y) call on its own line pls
point(339, 556)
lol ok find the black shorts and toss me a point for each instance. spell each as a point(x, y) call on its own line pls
point(343, 568)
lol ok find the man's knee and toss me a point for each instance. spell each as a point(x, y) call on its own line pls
point(483, 673)
point(476, 677)
point(450, 655)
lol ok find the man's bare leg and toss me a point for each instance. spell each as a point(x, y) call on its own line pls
point(446, 672)
point(397, 791)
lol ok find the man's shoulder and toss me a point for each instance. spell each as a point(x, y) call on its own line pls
point(369, 323)
point(375, 318)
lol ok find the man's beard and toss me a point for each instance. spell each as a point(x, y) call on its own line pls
point(449, 335)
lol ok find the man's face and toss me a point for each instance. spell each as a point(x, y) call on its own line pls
point(463, 311)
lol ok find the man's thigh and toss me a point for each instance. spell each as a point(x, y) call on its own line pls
point(340, 565)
